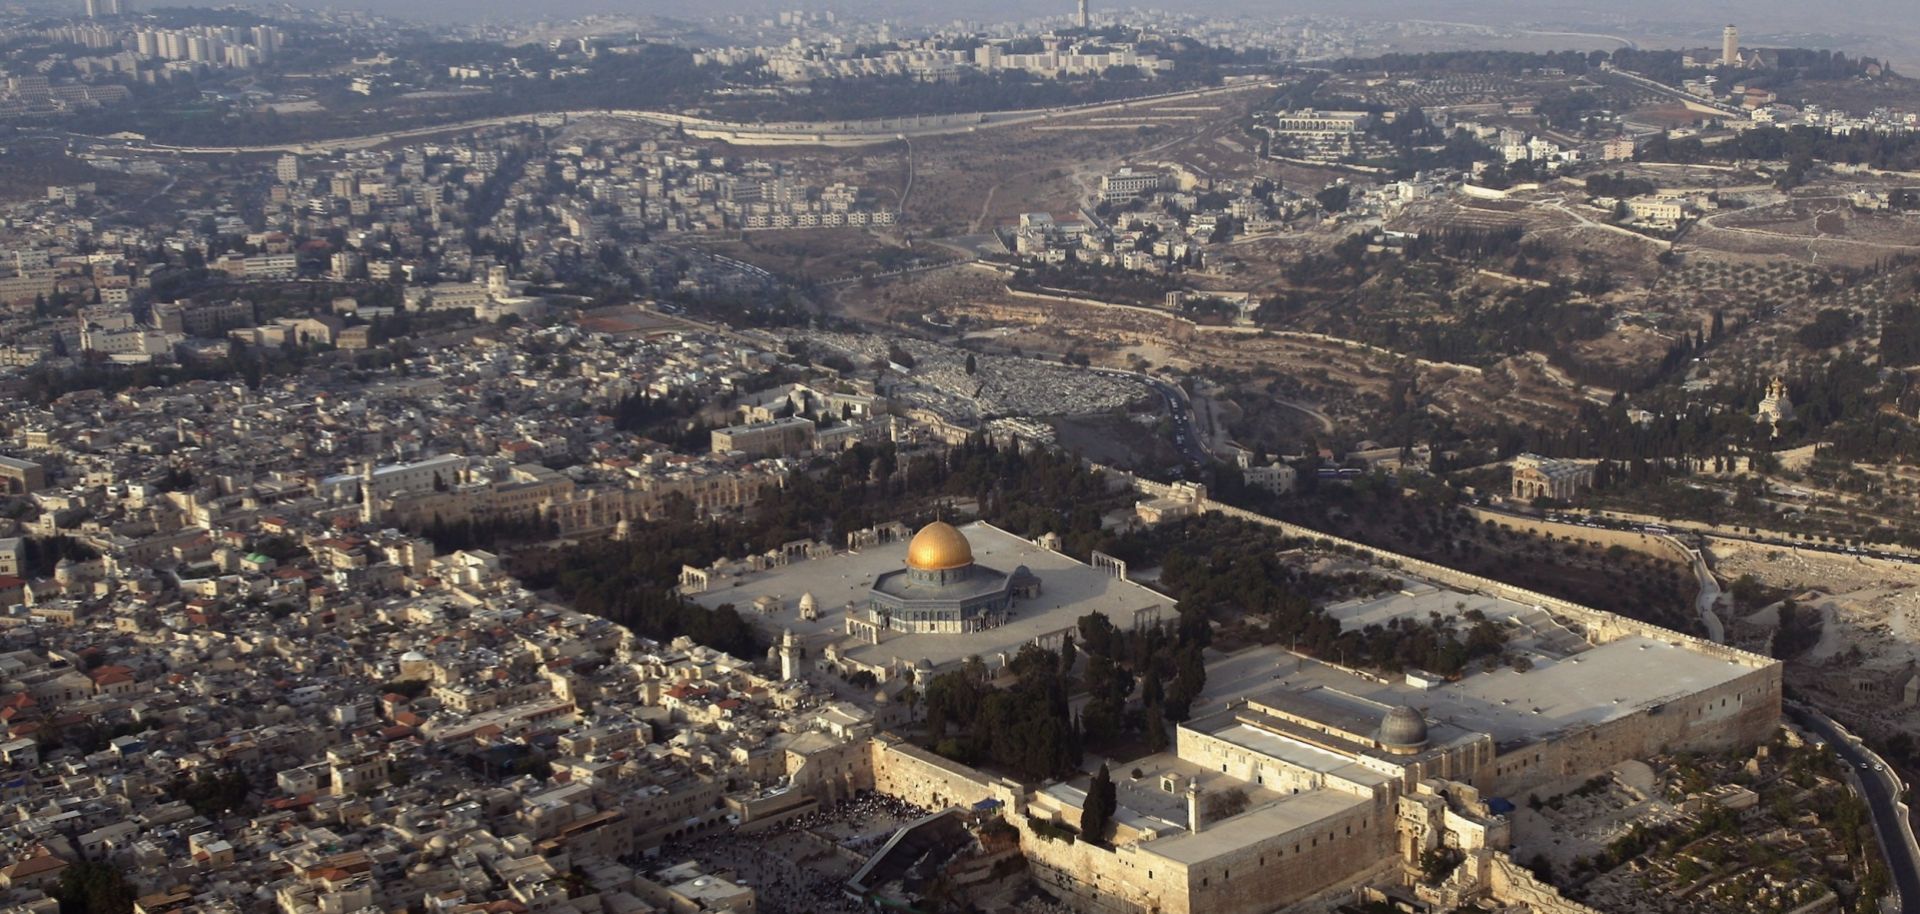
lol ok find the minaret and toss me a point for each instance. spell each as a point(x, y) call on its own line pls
point(789, 656)
point(1084, 20)
point(1195, 815)
point(1729, 46)
point(369, 512)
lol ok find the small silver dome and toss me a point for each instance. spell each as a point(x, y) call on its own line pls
point(1403, 729)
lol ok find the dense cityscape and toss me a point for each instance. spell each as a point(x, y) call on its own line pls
point(1116, 461)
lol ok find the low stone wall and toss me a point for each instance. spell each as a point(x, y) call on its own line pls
point(1065, 298)
point(1381, 351)
point(1650, 543)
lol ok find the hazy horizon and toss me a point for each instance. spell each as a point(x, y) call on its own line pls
point(1884, 27)
point(1860, 16)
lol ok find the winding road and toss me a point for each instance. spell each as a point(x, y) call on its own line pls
point(831, 133)
point(1186, 432)
point(1881, 790)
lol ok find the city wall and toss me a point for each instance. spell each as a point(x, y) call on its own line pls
point(902, 769)
point(1099, 880)
point(1601, 627)
point(1092, 878)
point(1289, 866)
point(1277, 869)
point(834, 774)
point(1741, 712)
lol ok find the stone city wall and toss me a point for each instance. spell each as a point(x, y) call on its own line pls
point(1099, 880)
point(902, 769)
point(1288, 866)
point(1601, 626)
point(1741, 712)
point(1276, 870)
point(834, 774)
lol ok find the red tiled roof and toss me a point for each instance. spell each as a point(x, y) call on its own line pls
point(42, 862)
point(111, 675)
point(300, 802)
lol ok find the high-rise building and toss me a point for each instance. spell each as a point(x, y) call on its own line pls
point(287, 170)
point(268, 39)
point(99, 8)
point(1084, 18)
point(1730, 46)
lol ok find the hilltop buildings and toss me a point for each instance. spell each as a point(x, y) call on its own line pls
point(933, 59)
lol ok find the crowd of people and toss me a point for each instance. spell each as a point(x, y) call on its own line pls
point(783, 885)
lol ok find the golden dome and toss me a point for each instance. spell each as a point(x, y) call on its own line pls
point(939, 547)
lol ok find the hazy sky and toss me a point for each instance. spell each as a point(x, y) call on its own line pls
point(1867, 16)
point(1890, 22)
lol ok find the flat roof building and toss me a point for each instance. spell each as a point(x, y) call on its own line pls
point(20, 477)
point(788, 437)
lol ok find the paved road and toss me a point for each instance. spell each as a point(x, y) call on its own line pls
point(1679, 95)
point(1186, 434)
point(1882, 795)
point(1709, 590)
point(1883, 552)
point(831, 133)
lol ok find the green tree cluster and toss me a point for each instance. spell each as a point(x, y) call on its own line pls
point(1024, 729)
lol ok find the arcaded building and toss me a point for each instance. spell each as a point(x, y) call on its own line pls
point(1539, 477)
